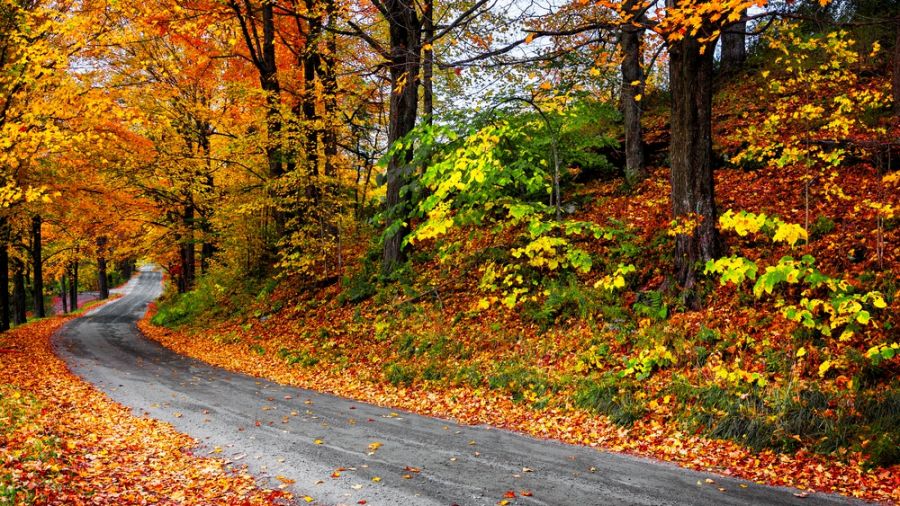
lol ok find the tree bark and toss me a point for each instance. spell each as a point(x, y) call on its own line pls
point(406, 36)
point(64, 294)
point(73, 286)
point(102, 281)
point(38, 262)
point(630, 39)
point(330, 88)
point(690, 155)
point(428, 63)
point(188, 249)
point(4, 276)
point(734, 47)
point(19, 296)
point(895, 81)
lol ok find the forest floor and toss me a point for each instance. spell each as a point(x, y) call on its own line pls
point(64, 442)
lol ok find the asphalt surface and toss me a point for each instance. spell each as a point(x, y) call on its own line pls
point(305, 436)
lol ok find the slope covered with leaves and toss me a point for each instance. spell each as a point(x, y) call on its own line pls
point(64, 442)
point(567, 327)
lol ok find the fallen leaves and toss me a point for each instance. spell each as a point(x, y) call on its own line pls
point(70, 444)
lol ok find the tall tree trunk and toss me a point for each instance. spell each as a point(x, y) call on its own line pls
point(428, 62)
point(38, 262)
point(895, 81)
point(406, 36)
point(64, 294)
point(19, 295)
point(4, 278)
point(330, 88)
point(102, 280)
point(188, 249)
point(734, 47)
point(690, 156)
point(630, 39)
point(73, 286)
point(262, 54)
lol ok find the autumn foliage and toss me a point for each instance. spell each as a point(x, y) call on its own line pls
point(64, 442)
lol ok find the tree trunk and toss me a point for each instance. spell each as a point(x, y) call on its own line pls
point(73, 287)
point(19, 296)
point(690, 155)
point(406, 35)
point(4, 278)
point(895, 81)
point(330, 88)
point(102, 281)
point(188, 249)
point(38, 262)
point(64, 294)
point(734, 47)
point(428, 63)
point(630, 39)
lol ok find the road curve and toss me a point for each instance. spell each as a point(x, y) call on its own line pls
point(301, 435)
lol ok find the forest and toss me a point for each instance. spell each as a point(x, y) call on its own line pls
point(664, 229)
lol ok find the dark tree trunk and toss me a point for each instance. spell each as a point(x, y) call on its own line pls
point(4, 276)
point(406, 35)
point(261, 50)
point(690, 155)
point(73, 287)
point(895, 81)
point(311, 63)
point(102, 281)
point(64, 294)
point(428, 62)
point(38, 262)
point(19, 296)
point(734, 47)
point(630, 39)
point(330, 88)
point(188, 249)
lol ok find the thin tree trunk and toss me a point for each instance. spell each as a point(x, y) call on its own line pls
point(630, 39)
point(734, 47)
point(38, 262)
point(73, 287)
point(690, 154)
point(19, 295)
point(895, 81)
point(4, 276)
point(428, 62)
point(102, 281)
point(406, 35)
point(188, 249)
point(330, 88)
point(64, 294)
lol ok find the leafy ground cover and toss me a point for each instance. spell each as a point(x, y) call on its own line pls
point(64, 442)
point(736, 388)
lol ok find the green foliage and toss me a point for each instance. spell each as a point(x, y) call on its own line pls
point(647, 361)
point(612, 397)
point(651, 304)
point(520, 382)
point(302, 357)
point(220, 293)
point(398, 374)
point(566, 299)
point(821, 227)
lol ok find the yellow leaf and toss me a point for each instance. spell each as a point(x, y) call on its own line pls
point(826, 365)
point(801, 352)
point(637, 98)
point(307, 498)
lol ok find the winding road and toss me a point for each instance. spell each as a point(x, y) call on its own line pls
point(284, 433)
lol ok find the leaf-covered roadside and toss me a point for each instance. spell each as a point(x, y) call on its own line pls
point(364, 375)
point(64, 442)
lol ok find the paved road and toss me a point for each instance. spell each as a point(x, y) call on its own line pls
point(306, 436)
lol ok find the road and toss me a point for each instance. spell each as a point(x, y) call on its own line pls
point(309, 437)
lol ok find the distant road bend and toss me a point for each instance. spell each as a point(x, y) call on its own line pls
point(306, 436)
